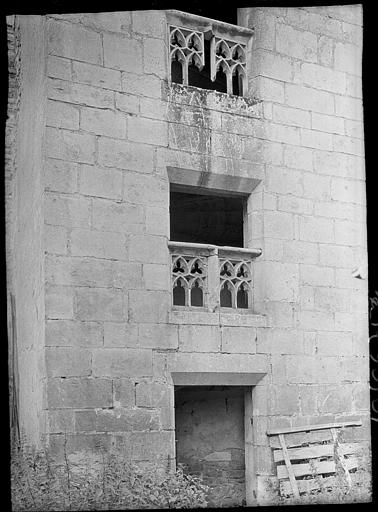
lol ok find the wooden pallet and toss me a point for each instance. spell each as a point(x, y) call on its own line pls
point(307, 456)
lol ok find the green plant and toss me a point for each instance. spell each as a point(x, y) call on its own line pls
point(106, 482)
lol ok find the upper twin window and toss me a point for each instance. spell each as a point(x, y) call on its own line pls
point(204, 60)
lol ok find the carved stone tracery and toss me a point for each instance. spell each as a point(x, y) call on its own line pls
point(188, 280)
point(187, 47)
point(235, 283)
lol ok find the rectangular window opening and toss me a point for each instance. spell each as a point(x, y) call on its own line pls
point(207, 218)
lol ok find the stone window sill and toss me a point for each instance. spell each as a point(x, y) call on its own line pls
point(202, 316)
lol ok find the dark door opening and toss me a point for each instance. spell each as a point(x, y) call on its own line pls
point(210, 439)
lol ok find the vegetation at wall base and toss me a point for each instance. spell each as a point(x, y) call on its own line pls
point(110, 482)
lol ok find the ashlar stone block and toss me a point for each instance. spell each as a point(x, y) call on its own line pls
point(71, 146)
point(238, 340)
point(74, 42)
point(68, 362)
point(68, 211)
point(199, 338)
point(99, 244)
point(85, 392)
point(60, 176)
point(148, 306)
point(122, 53)
point(98, 182)
point(101, 304)
point(116, 362)
point(68, 333)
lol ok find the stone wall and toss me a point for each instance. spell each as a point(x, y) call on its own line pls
point(306, 67)
point(113, 127)
point(24, 216)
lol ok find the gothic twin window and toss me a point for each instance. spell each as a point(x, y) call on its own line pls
point(190, 277)
point(209, 62)
point(210, 267)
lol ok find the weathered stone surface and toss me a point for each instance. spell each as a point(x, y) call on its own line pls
point(98, 182)
point(103, 122)
point(55, 239)
point(124, 393)
point(101, 304)
point(68, 362)
point(62, 115)
point(80, 94)
point(90, 272)
point(60, 422)
point(99, 244)
point(151, 23)
point(238, 340)
point(71, 146)
point(157, 336)
point(148, 306)
point(120, 335)
point(116, 362)
point(97, 76)
point(299, 44)
point(60, 176)
point(79, 393)
point(75, 42)
point(59, 302)
point(156, 277)
point(67, 333)
point(199, 338)
point(141, 85)
point(148, 249)
point(117, 217)
point(125, 420)
point(153, 394)
point(284, 400)
point(65, 210)
point(59, 68)
point(122, 53)
point(125, 155)
point(152, 446)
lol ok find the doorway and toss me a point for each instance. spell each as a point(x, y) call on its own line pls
point(210, 439)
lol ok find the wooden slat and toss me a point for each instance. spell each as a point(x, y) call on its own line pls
point(301, 438)
point(311, 484)
point(319, 467)
point(306, 486)
point(306, 428)
point(342, 460)
point(315, 451)
point(288, 467)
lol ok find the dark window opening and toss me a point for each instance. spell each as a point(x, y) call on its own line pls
point(179, 294)
point(176, 72)
point(202, 79)
point(237, 84)
point(226, 296)
point(207, 219)
point(242, 298)
point(196, 295)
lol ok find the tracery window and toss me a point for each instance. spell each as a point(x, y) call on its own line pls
point(235, 283)
point(188, 280)
point(208, 57)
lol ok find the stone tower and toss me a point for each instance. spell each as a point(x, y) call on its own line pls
point(185, 207)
